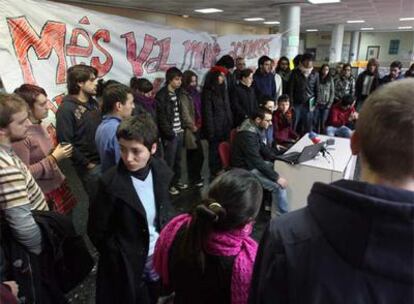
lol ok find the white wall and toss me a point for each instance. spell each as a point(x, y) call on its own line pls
point(321, 41)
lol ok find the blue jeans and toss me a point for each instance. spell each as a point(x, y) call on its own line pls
point(303, 119)
point(280, 203)
point(320, 116)
point(343, 131)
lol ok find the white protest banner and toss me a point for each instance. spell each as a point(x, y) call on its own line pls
point(39, 40)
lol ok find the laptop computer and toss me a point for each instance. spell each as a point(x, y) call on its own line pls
point(308, 153)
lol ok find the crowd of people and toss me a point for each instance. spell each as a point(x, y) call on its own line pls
point(126, 142)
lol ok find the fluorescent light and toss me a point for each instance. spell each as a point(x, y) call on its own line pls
point(323, 1)
point(407, 19)
point(367, 28)
point(253, 19)
point(405, 27)
point(312, 30)
point(208, 10)
point(271, 22)
point(355, 21)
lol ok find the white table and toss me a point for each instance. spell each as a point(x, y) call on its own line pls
point(338, 165)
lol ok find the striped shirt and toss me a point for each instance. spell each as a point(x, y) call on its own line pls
point(17, 185)
point(177, 121)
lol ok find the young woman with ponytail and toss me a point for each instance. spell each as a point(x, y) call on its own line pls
point(207, 256)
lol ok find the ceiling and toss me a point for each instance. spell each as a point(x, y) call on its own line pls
point(380, 14)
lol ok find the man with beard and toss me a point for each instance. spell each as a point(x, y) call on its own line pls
point(77, 119)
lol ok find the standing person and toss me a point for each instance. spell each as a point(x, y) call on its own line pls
point(77, 119)
point(283, 119)
point(19, 197)
point(278, 81)
point(40, 156)
point(126, 215)
point(243, 98)
point(283, 70)
point(169, 120)
point(240, 66)
point(143, 99)
point(367, 82)
point(191, 103)
point(304, 92)
point(251, 153)
point(345, 85)
point(207, 256)
point(217, 117)
point(395, 73)
point(337, 72)
point(300, 252)
point(117, 104)
point(325, 100)
point(263, 79)
point(227, 62)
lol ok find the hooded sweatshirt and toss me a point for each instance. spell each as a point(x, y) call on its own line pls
point(353, 243)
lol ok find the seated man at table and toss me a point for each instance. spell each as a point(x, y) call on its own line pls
point(251, 153)
point(342, 117)
point(354, 241)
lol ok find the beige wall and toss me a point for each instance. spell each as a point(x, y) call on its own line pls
point(405, 54)
point(198, 24)
point(322, 40)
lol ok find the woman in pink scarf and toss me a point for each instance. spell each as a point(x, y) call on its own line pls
point(207, 256)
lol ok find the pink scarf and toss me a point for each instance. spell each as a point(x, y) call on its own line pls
point(231, 243)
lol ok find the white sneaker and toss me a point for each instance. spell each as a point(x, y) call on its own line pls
point(182, 186)
point(173, 191)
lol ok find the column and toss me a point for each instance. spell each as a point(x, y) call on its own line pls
point(353, 50)
point(290, 29)
point(335, 52)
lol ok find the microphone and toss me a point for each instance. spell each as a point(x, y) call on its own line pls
point(314, 138)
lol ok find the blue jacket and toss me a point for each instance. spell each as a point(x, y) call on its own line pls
point(264, 85)
point(107, 143)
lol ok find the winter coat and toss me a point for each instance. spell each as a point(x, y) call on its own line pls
point(165, 113)
point(250, 152)
point(353, 243)
point(216, 115)
point(118, 228)
point(243, 103)
point(302, 89)
point(264, 85)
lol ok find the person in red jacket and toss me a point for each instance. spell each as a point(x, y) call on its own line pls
point(342, 118)
point(282, 121)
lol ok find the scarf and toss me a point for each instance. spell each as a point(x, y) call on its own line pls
point(147, 102)
point(142, 173)
point(236, 243)
point(196, 97)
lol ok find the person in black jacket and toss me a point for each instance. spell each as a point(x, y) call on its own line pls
point(354, 241)
point(127, 214)
point(216, 116)
point(243, 98)
point(211, 260)
point(367, 82)
point(304, 93)
point(77, 119)
point(169, 120)
point(251, 153)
